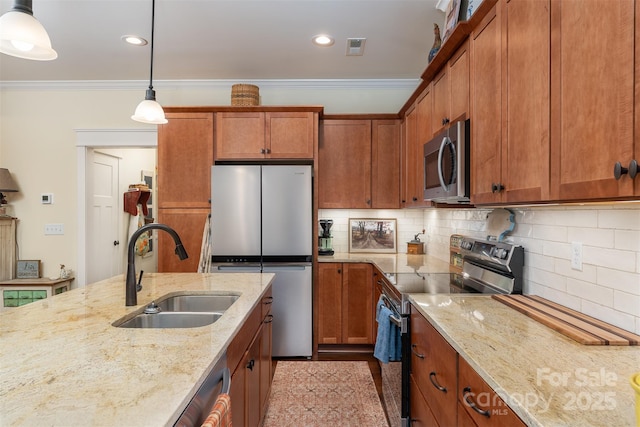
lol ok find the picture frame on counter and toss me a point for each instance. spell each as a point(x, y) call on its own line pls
point(28, 269)
point(376, 235)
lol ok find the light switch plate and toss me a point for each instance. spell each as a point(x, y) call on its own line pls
point(50, 229)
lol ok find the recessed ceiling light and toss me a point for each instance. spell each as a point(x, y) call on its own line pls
point(323, 40)
point(134, 40)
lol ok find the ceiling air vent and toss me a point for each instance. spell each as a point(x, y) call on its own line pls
point(355, 47)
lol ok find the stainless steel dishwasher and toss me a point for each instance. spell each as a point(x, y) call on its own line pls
point(217, 382)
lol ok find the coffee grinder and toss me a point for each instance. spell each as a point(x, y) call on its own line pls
point(325, 246)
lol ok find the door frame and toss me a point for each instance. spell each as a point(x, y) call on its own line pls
point(87, 139)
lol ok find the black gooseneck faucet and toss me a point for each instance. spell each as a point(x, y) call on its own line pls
point(132, 287)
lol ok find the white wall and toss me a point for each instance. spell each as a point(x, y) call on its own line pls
point(608, 287)
point(37, 137)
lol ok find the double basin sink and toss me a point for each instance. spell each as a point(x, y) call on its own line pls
point(179, 311)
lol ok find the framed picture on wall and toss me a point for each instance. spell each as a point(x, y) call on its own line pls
point(372, 235)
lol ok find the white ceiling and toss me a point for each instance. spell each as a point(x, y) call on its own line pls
point(229, 39)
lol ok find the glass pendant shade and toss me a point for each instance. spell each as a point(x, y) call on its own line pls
point(23, 36)
point(149, 111)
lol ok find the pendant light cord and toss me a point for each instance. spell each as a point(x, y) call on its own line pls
point(153, 20)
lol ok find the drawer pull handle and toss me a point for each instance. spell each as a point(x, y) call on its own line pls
point(466, 395)
point(251, 364)
point(413, 346)
point(432, 377)
point(268, 319)
point(267, 300)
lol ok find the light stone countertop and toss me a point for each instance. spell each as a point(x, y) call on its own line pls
point(545, 377)
point(393, 263)
point(62, 363)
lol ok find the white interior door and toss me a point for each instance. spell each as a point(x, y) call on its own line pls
point(103, 245)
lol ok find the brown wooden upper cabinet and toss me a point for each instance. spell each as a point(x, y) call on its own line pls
point(592, 98)
point(185, 156)
point(510, 88)
point(417, 131)
point(359, 164)
point(265, 135)
point(451, 90)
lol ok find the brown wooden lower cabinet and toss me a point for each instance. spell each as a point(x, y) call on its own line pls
point(445, 390)
point(189, 224)
point(480, 402)
point(345, 303)
point(434, 367)
point(421, 414)
point(249, 360)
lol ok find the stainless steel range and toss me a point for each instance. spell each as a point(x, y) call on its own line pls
point(488, 267)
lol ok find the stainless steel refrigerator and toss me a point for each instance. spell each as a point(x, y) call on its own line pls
point(261, 221)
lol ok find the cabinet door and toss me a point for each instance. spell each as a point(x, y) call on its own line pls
point(185, 156)
point(480, 402)
point(441, 101)
point(266, 367)
point(486, 109)
point(344, 165)
point(290, 135)
point(592, 97)
point(459, 83)
point(424, 133)
point(252, 382)
point(237, 394)
point(189, 224)
point(329, 303)
point(240, 136)
point(385, 164)
point(526, 150)
point(357, 304)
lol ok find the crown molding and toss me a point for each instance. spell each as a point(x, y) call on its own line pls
point(311, 84)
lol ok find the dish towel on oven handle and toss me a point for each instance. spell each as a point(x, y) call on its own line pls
point(388, 347)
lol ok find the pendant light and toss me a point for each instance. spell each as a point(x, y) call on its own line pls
point(23, 36)
point(149, 111)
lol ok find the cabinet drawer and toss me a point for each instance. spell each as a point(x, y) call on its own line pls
point(434, 365)
point(480, 402)
point(267, 302)
point(421, 415)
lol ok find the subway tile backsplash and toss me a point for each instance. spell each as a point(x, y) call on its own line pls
point(607, 287)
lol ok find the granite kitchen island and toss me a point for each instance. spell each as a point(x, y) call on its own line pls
point(62, 362)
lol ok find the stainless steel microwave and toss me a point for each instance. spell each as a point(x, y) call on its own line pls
point(446, 165)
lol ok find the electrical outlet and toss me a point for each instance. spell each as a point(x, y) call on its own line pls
point(53, 229)
point(576, 255)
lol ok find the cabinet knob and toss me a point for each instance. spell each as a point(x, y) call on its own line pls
point(251, 364)
point(368, 201)
point(415, 199)
point(445, 121)
point(268, 150)
point(116, 242)
point(496, 187)
point(619, 170)
point(262, 151)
